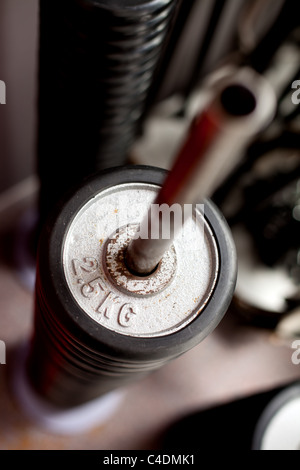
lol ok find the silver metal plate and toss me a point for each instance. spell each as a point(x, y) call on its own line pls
point(143, 314)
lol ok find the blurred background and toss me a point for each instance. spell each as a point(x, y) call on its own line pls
point(90, 87)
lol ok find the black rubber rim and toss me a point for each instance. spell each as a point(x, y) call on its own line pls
point(72, 317)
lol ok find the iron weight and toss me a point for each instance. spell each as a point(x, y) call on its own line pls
point(81, 349)
point(97, 62)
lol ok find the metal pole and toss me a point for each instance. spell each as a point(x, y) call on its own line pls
point(241, 104)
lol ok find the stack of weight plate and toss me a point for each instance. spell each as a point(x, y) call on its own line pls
point(98, 61)
point(94, 334)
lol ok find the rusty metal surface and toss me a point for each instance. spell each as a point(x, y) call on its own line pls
point(160, 304)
